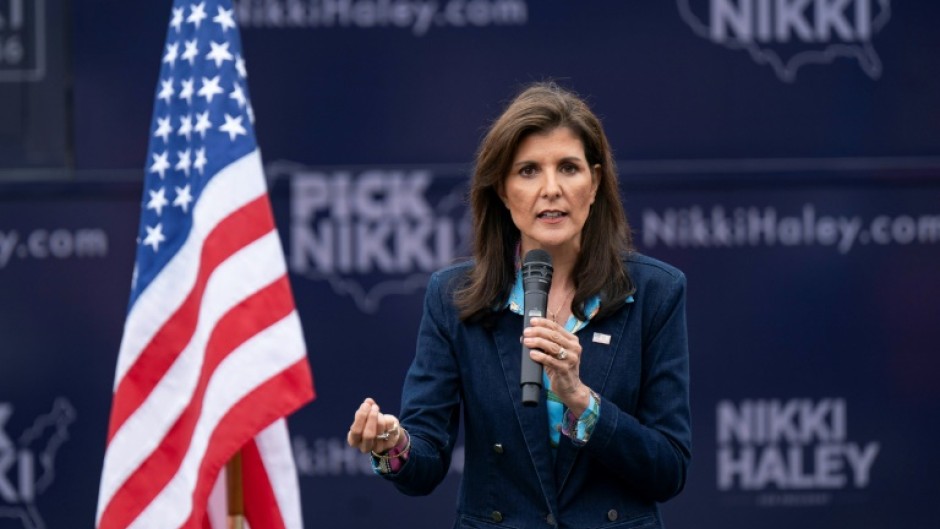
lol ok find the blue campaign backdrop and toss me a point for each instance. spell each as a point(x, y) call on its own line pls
point(783, 154)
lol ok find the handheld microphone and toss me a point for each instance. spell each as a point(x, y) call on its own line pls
point(536, 282)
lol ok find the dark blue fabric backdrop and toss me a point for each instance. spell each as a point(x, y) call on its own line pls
point(787, 161)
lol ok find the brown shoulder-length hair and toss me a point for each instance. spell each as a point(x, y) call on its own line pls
point(605, 238)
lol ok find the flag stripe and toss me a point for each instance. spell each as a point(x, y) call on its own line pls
point(230, 434)
point(251, 316)
point(248, 270)
point(228, 191)
point(231, 235)
point(216, 516)
point(265, 512)
point(274, 448)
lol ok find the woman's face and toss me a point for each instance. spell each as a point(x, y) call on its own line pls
point(549, 191)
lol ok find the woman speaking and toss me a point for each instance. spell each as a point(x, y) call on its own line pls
point(611, 437)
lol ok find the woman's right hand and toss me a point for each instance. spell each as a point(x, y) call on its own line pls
point(370, 426)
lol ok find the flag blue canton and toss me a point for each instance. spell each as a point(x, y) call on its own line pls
point(202, 122)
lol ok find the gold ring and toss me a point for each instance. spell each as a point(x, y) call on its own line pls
point(562, 353)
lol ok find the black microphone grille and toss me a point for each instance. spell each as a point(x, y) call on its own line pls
point(537, 256)
point(536, 269)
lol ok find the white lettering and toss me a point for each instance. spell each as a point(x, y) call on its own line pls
point(329, 457)
point(725, 14)
point(830, 14)
point(849, 228)
point(774, 421)
point(824, 466)
point(378, 221)
point(784, 20)
point(60, 243)
point(413, 246)
point(424, 15)
point(861, 462)
point(731, 467)
point(333, 457)
point(36, 242)
point(829, 467)
point(783, 421)
point(789, 16)
point(91, 243)
point(7, 245)
point(771, 469)
point(372, 247)
point(797, 444)
point(734, 424)
point(863, 19)
point(928, 229)
point(418, 15)
point(751, 226)
point(309, 194)
point(314, 244)
point(903, 230)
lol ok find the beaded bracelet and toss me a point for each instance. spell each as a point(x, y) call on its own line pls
point(571, 426)
point(391, 460)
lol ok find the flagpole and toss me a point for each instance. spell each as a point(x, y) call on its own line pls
point(235, 492)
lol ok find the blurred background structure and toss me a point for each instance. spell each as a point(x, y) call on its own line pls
point(784, 154)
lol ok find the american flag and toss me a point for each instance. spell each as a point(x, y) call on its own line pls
point(212, 357)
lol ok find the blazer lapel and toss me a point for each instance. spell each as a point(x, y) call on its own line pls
point(596, 361)
point(533, 420)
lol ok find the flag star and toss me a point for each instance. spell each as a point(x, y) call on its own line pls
point(210, 87)
point(191, 51)
point(187, 91)
point(157, 200)
point(183, 197)
point(201, 159)
point(172, 51)
point(177, 21)
point(251, 113)
point(166, 90)
point(184, 162)
point(163, 128)
point(238, 95)
point(186, 127)
point(224, 18)
point(202, 123)
point(240, 65)
point(233, 125)
point(160, 163)
point(154, 236)
point(197, 13)
point(219, 53)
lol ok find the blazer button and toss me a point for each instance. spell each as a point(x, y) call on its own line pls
point(498, 448)
point(612, 515)
point(550, 519)
point(496, 516)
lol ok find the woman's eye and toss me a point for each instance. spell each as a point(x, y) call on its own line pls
point(569, 168)
point(527, 171)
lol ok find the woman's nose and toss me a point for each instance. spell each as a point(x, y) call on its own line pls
point(551, 187)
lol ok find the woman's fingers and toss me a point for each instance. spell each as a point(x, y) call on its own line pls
point(552, 340)
point(362, 432)
point(373, 430)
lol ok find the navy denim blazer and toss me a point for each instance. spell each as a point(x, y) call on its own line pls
point(637, 455)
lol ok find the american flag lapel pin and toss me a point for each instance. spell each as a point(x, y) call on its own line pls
point(600, 337)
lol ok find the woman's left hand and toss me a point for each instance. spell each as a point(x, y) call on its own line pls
point(559, 352)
